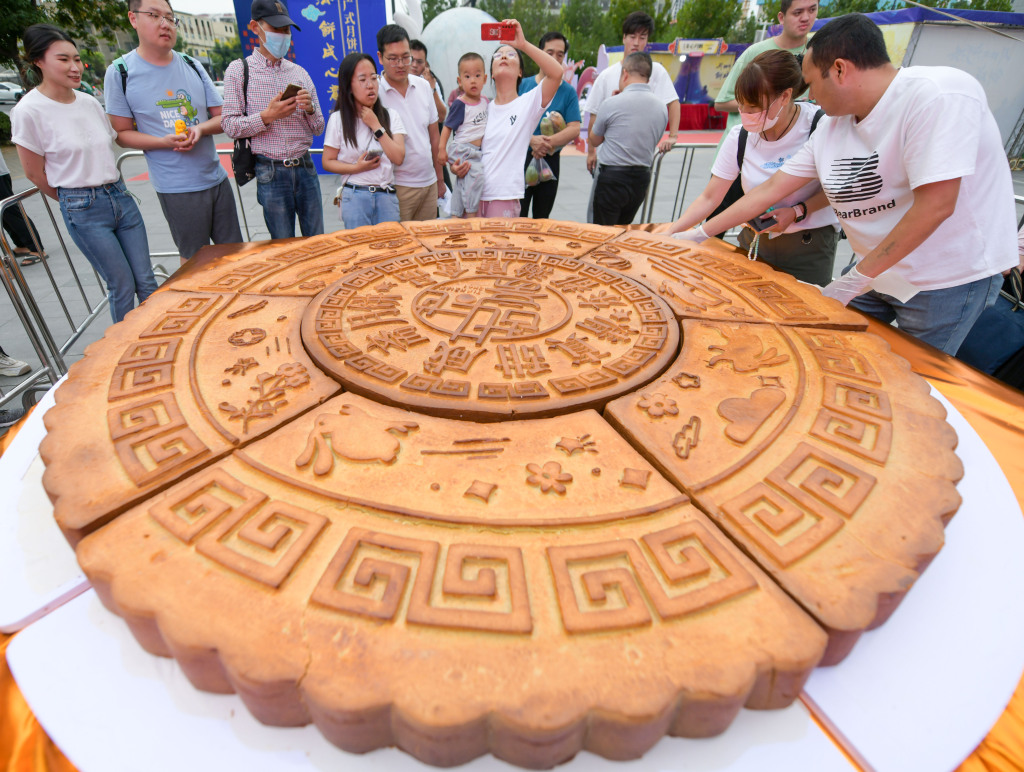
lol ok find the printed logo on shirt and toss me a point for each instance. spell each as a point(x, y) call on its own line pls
point(512, 120)
point(775, 164)
point(853, 179)
point(177, 107)
point(862, 212)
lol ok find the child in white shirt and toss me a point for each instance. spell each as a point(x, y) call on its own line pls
point(463, 134)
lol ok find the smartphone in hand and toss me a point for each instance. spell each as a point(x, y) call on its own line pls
point(497, 31)
point(375, 153)
point(290, 91)
point(761, 222)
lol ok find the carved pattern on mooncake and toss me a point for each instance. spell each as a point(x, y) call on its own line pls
point(516, 331)
point(470, 595)
point(152, 439)
point(616, 585)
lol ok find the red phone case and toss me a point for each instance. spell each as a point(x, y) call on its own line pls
point(497, 31)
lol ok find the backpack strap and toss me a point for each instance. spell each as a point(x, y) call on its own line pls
point(123, 69)
point(741, 148)
point(814, 121)
point(194, 65)
point(245, 86)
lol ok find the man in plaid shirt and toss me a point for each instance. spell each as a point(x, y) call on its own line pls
point(281, 129)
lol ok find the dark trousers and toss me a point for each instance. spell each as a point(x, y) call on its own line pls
point(14, 223)
point(618, 193)
point(543, 193)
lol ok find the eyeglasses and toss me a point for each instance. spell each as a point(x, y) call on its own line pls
point(363, 80)
point(499, 55)
point(418, 62)
point(174, 21)
point(393, 60)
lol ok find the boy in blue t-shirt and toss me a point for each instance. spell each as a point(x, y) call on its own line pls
point(565, 103)
point(147, 91)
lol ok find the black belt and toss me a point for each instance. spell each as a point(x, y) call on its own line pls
point(371, 188)
point(611, 168)
point(288, 163)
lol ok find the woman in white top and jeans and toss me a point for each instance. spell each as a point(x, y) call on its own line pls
point(801, 237)
point(363, 143)
point(63, 139)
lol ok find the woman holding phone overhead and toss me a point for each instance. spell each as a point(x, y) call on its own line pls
point(363, 143)
point(799, 235)
point(511, 120)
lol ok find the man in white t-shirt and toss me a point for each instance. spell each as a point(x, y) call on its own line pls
point(637, 28)
point(418, 180)
point(912, 163)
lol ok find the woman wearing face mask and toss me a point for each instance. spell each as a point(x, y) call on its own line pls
point(363, 143)
point(63, 139)
point(801, 233)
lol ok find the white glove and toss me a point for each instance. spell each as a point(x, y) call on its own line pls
point(696, 235)
point(848, 286)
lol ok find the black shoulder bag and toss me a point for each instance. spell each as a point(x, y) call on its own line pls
point(243, 162)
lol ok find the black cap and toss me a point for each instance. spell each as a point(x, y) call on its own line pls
point(273, 12)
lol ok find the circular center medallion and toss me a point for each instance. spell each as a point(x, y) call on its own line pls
point(489, 333)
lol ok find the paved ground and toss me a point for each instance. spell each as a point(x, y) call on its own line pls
point(64, 300)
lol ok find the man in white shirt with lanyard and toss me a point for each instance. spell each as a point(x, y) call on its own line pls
point(419, 180)
point(637, 28)
point(912, 163)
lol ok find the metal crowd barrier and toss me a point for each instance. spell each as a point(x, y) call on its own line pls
point(689, 149)
point(48, 350)
point(238, 191)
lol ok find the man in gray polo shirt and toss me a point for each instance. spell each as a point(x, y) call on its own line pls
point(626, 134)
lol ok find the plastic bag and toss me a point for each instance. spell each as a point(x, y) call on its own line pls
point(537, 172)
point(551, 124)
point(444, 205)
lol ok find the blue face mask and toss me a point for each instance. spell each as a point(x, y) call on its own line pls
point(277, 43)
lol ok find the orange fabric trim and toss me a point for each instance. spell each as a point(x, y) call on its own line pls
point(24, 746)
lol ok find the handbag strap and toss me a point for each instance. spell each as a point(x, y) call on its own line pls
point(245, 86)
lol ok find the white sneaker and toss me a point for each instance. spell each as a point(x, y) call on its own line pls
point(10, 366)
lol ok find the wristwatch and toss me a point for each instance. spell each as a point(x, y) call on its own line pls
point(801, 211)
point(378, 133)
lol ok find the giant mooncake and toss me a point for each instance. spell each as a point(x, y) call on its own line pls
point(513, 487)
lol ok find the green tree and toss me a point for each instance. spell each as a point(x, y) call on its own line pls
point(745, 30)
point(620, 9)
point(84, 20)
point(582, 22)
point(432, 8)
point(96, 67)
point(703, 19)
point(224, 53)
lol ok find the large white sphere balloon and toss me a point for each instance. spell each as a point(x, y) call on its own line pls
point(452, 34)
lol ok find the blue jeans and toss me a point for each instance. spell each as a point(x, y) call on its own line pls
point(361, 207)
point(941, 317)
point(287, 191)
point(106, 225)
point(996, 336)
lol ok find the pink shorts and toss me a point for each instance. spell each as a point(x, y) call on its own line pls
point(499, 208)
